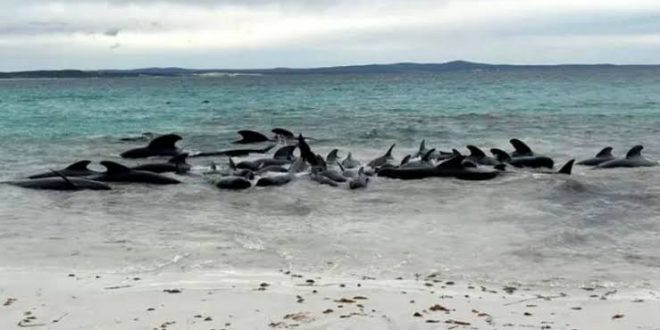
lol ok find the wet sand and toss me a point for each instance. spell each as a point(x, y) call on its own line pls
point(286, 300)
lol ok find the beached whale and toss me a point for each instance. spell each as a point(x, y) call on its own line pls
point(60, 182)
point(437, 155)
point(523, 161)
point(601, 157)
point(163, 145)
point(349, 162)
point(382, 160)
point(425, 161)
point(360, 181)
point(74, 170)
point(236, 181)
point(479, 157)
point(282, 179)
point(116, 172)
point(454, 167)
point(633, 158)
point(176, 164)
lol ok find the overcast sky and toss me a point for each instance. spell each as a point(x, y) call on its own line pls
point(93, 34)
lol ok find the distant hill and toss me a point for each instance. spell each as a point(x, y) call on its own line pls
point(351, 69)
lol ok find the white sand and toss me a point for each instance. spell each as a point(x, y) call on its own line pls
point(57, 300)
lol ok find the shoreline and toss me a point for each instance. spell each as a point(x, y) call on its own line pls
point(284, 300)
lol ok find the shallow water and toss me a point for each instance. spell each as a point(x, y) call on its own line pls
point(594, 226)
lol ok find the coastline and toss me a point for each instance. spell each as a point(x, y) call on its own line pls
point(284, 300)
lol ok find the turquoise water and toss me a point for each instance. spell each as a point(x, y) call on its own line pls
point(597, 225)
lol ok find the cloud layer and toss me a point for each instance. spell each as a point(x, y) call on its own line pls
point(91, 34)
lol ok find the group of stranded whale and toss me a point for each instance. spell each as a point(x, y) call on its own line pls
point(283, 166)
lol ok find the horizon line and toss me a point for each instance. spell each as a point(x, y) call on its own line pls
point(465, 62)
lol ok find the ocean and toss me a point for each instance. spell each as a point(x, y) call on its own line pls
point(596, 226)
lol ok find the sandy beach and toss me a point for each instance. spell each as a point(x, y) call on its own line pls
point(288, 300)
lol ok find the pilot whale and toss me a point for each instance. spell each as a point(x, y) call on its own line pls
point(382, 160)
point(601, 157)
point(76, 169)
point(163, 145)
point(116, 172)
point(454, 167)
point(60, 182)
point(633, 158)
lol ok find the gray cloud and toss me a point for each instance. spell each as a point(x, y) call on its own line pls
point(112, 32)
point(263, 33)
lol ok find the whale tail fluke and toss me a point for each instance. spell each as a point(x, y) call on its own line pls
point(567, 168)
point(306, 152)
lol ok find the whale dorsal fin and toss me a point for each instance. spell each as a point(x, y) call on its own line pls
point(349, 157)
point(389, 151)
point(521, 148)
point(456, 153)
point(232, 165)
point(635, 151)
point(361, 171)
point(283, 132)
point(454, 162)
point(112, 167)
point(476, 152)
point(428, 154)
point(500, 155)
point(405, 160)
point(607, 151)
point(249, 136)
point(166, 141)
point(285, 152)
point(305, 151)
point(332, 154)
point(68, 182)
point(77, 166)
point(422, 146)
point(567, 168)
point(179, 159)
